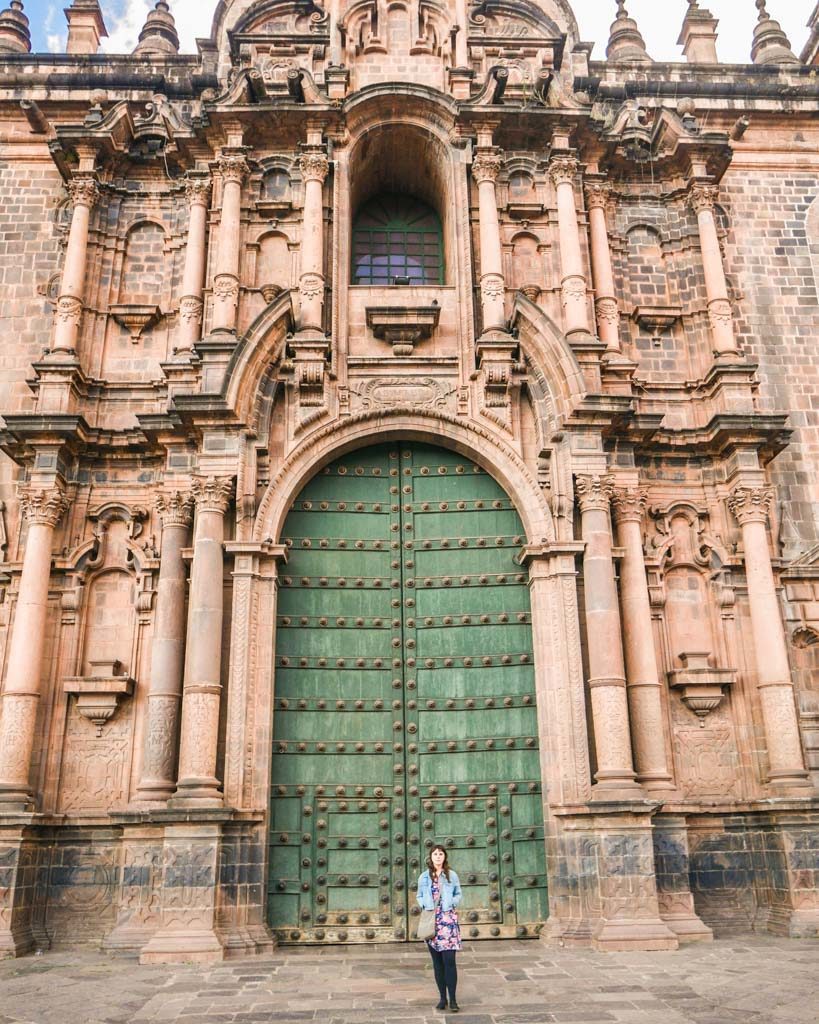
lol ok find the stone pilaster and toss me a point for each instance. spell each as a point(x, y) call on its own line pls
point(232, 168)
point(197, 193)
point(751, 506)
point(642, 678)
point(197, 784)
point(564, 171)
point(485, 169)
point(607, 678)
point(314, 167)
point(156, 784)
point(598, 196)
point(84, 192)
point(703, 199)
point(43, 508)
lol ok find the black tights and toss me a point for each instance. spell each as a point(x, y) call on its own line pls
point(446, 973)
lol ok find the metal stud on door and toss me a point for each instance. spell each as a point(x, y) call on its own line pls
point(404, 702)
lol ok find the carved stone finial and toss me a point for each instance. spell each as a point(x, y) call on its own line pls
point(770, 45)
point(626, 44)
point(15, 36)
point(158, 35)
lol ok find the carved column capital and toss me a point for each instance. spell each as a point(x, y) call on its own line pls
point(197, 190)
point(175, 508)
point(212, 493)
point(563, 170)
point(594, 493)
point(629, 504)
point(703, 197)
point(232, 168)
point(314, 166)
point(84, 191)
point(751, 504)
point(43, 505)
point(487, 166)
point(598, 195)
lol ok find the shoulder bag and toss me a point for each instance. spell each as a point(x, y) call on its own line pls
point(426, 924)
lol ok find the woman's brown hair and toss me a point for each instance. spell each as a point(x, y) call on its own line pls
point(444, 866)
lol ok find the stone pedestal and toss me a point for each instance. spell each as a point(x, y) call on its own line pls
point(672, 866)
point(17, 882)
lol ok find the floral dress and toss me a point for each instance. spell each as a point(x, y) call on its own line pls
point(447, 929)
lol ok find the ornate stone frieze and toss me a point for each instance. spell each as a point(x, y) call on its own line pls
point(175, 508)
point(594, 493)
point(314, 166)
point(212, 493)
point(44, 506)
point(751, 504)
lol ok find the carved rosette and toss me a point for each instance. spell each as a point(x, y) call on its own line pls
point(703, 197)
point(594, 493)
point(629, 504)
point(314, 166)
point(83, 191)
point(43, 506)
point(607, 311)
point(598, 196)
point(563, 170)
point(492, 287)
point(487, 166)
point(233, 169)
point(175, 508)
point(212, 493)
point(68, 310)
point(197, 191)
point(751, 504)
point(190, 309)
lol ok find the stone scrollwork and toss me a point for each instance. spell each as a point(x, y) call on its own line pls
point(629, 504)
point(233, 168)
point(598, 195)
point(197, 190)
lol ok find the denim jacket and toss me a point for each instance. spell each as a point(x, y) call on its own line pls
point(450, 891)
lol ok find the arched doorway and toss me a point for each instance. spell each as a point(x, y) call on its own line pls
point(404, 702)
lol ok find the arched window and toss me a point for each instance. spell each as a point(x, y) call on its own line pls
point(397, 240)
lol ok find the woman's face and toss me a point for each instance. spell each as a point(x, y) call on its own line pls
point(438, 857)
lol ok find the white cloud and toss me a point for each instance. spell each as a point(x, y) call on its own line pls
point(56, 43)
point(124, 25)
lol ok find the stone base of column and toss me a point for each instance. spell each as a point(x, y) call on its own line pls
point(672, 864)
point(616, 789)
point(18, 870)
point(625, 935)
point(795, 924)
point(138, 915)
point(677, 912)
point(203, 793)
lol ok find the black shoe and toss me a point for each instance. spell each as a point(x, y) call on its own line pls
point(453, 1007)
point(441, 1005)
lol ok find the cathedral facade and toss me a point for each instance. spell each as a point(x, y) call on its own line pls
point(410, 434)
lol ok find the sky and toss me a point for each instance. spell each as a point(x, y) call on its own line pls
point(659, 21)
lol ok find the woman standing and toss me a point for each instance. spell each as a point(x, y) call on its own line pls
point(440, 890)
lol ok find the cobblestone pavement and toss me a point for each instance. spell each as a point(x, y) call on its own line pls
point(752, 980)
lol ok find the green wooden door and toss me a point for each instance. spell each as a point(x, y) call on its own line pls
point(405, 702)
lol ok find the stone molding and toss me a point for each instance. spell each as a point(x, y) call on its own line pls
point(43, 505)
point(594, 493)
point(751, 504)
point(629, 504)
point(314, 166)
point(175, 508)
point(212, 493)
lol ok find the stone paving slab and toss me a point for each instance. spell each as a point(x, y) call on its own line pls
point(751, 981)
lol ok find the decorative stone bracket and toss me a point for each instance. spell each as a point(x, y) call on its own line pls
point(135, 317)
point(403, 326)
point(702, 688)
point(656, 318)
point(99, 694)
point(496, 365)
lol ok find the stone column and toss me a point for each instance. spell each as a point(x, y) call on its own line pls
point(607, 677)
point(724, 345)
point(43, 508)
point(751, 506)
point(605, 303)
point(485, 169)
point(156, 784)
point(573, 278)
point(233, 169)
point(642, 678)
point(84, 192)
point(202, 692)
point(197, 193)
point(314, 167)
